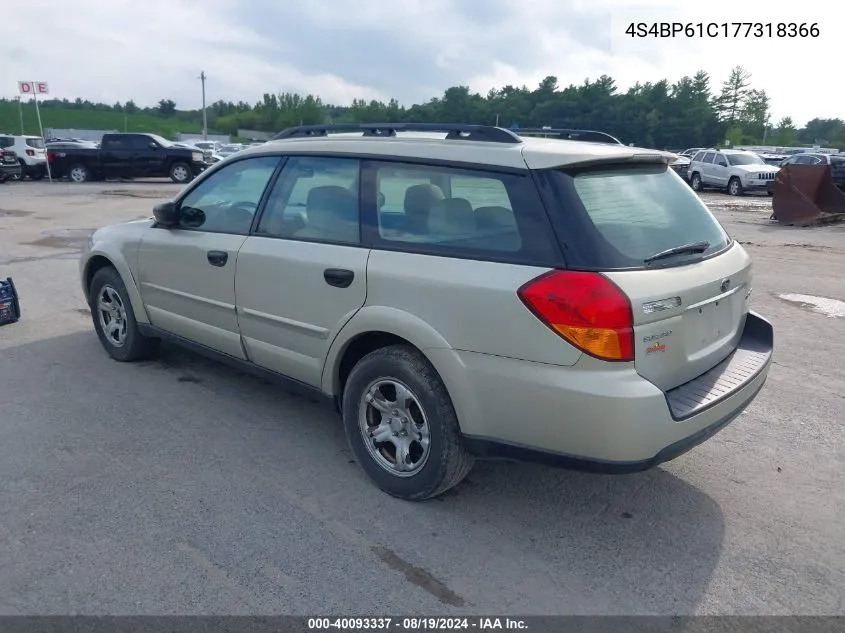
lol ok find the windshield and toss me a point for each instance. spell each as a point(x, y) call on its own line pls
point(161, 140)
point(628, 214)
point(745, 159)
point(204, 144)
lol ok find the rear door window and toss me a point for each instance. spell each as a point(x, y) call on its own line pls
point(460, 213)
point(708, 157)
point(616, 218)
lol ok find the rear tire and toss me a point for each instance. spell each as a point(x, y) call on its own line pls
point(695, 182)
point(180, 173)
point(735, 187)
point(79, 173)
point(114, 319)
point(378, 420)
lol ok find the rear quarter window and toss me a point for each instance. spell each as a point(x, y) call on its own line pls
point(37, 143)
point(615, 218)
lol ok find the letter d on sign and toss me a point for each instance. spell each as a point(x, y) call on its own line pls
point(26, 87)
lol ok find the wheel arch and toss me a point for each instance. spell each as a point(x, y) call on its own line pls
point(376, 327)
point(99, 260)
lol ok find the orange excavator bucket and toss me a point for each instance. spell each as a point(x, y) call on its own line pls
point(805, 195)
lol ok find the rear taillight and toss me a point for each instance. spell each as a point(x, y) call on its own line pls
point(586, 309)
point(30, 152)
point(50, 156)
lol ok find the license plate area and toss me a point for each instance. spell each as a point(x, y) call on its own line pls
point(709, 323)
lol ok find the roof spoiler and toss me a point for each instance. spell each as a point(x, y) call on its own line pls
point(588, 136)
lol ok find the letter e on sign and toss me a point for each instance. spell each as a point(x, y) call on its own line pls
point(26, 87)
point(42, 88)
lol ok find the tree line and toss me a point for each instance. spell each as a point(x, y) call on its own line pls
point(691, 112)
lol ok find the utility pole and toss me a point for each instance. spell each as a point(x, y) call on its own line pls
point(204, 118)
point(20, 113)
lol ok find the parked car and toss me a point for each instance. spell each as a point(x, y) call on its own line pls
point(772, 159)
point(680, 165)
point(32, 156)
point(210, 149)
point(227, 150)
point(836, 162)
point(208, 156)
point(475, 295)
point(10, 168)
point(212, 146)
point(128, 156)
point(737, 171)
point(692, 151)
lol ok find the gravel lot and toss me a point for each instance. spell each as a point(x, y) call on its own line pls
point(179, 486)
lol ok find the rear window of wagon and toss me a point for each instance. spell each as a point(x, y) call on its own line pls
point(613, 218)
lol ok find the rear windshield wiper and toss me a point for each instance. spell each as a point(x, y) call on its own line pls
point(692, 247)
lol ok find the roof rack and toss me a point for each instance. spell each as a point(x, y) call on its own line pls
point(589, 136)
point(455, 131)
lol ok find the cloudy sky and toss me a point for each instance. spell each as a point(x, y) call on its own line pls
point(114, 50)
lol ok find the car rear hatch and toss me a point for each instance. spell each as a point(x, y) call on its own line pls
point(36, 148)
point(640, 226)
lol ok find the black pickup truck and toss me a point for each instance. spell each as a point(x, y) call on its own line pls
point(127, 156)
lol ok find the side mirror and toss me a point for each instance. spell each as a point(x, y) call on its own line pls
point(153, 145)
point(165, 214)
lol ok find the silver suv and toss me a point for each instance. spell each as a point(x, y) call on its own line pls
point(458, 292)
point(737, 171)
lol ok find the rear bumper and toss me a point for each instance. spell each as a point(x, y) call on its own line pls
point(9, 170)
point(589, 417)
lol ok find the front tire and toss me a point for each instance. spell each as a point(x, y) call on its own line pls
point(402, 426)
point(695, 182)
point(180, 173)
point(114, 319)
point(735, 187)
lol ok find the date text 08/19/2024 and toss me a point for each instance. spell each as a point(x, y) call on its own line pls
point(415, 623)
point(723, 29)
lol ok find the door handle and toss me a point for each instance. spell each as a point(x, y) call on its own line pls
point(217, 258)
point(339, 277)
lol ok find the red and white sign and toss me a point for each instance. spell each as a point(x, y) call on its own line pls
point(33, 88)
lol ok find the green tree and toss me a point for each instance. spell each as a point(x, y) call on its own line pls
point(785, 133)
point(731, 101)
point(166, 107)
point(756, 114)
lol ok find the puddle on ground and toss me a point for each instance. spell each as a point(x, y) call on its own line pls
point(63, 238)
point(829, 307)
point(13, 213)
